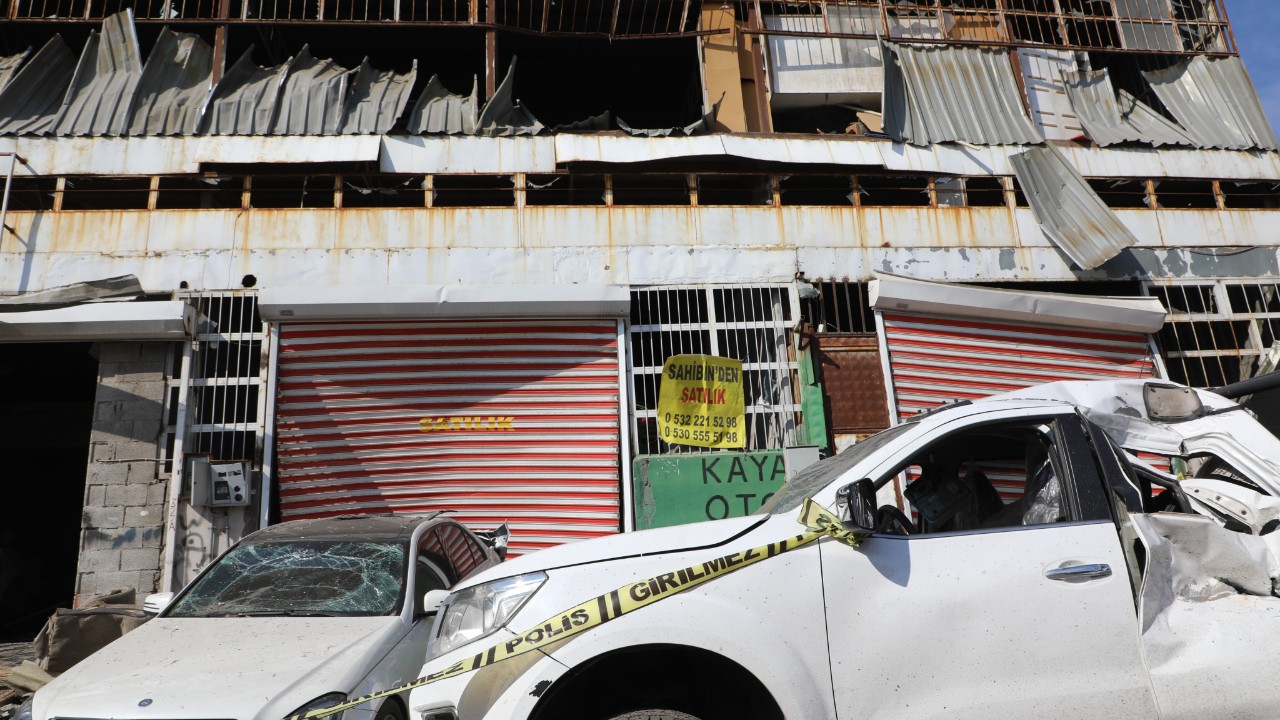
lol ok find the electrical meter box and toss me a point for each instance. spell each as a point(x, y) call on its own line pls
point(229, 484)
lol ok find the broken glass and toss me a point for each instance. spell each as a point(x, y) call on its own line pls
point(300, 578)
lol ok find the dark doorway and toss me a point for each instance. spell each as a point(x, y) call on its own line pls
point(46, 414)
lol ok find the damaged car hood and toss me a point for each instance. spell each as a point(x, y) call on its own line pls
point(261, 667)
point(615, 547)
point(1223, 428)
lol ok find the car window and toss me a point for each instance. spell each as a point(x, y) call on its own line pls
point(302, 577)
point(429, 576)
point(991, 476)
point(817, 476)
point(461, 548)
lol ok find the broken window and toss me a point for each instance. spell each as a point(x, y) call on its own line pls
point(473, 191)
point(300, 578)
point(894, 190)
point(815, 190)
point(1254, 195)
point(100, 193)
point(385, 191)
point(31, 193)
point(200, 193)
point(1219, 332)
point(650, 190)
point(985, 192)
point(1185, 194)
point(291, 191)
point(735, 190)
point(1120, 192)
point(949, 191)
point(564, 189)
point(750, 323)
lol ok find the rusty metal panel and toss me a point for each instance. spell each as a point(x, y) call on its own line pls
point(1068, 210)
point(944, 93)
point(1214, 100)
point(176, 82)
point(935, 360)
point(244, 102)
point(496, 420)
point(440, 112)
point(29, 102)
point(378, 98)
point(102, 88)
point(853, 379)
point(313, 98)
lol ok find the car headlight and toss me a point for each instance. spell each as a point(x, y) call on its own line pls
point(477, 611)
point(24, 710)
point(327, 700)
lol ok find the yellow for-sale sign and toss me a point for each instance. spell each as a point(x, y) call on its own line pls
point(700, 402)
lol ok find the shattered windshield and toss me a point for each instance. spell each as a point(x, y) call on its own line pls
point(817, 476)
point(300, 578)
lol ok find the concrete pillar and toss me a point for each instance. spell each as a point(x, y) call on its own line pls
point(123, 527)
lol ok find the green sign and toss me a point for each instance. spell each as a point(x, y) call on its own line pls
point(680, 489)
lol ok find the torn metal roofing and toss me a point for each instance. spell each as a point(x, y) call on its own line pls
point(702, 126)
point(29, 103)
point(944, 93)
point(378, 99)
point(175, 84)
point(1216, 103)
point(1109, 121)
point(1070, 213)
point(9, 66)
point(313, 100)
point(503, 115)
point(439, 112)
point(595, 123)
point(244, 102)
point(101, 91)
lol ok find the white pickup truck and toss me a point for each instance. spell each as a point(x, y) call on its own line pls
point(1015, 562)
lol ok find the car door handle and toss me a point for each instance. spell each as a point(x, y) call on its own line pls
point(1079, 572)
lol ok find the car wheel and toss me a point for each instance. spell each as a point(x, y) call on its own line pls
point(390, 710)
point(654, 715)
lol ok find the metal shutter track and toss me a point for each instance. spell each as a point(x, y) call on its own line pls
point(523, 421)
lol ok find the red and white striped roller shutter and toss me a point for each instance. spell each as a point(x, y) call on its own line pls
point(935, 360)
point(496, 421)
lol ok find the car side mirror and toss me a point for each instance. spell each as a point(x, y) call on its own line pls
point(433, 600)
point(498, 539)
point(155, 603)
point(859, 502)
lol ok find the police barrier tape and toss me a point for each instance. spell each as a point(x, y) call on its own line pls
point(616, 603)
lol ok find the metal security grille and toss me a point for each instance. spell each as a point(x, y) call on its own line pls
point(1219, 332)
point(493, 420)
point(749, 323)
point(219, 387)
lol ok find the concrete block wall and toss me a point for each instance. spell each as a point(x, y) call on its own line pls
point(122, 532)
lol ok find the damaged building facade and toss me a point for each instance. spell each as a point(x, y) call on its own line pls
point(271, 259)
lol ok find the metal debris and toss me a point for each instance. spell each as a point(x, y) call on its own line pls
point(1215, 101)
point(102, 88)
point(29, 102)
point(439, 112)
point(9, 66)
point(244, 102)
point(176, 82)
point(1109, 121)
point(314, 98)
point(503, 115)
point(378, 99)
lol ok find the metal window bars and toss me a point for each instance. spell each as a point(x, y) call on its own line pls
point(1219, 332)
point(750, 323)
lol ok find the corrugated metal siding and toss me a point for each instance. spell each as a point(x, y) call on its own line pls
point(176, 82)
point(1216, 103)
point(29, 103)
point(377, 99)
point(314, 97)
point(941, 93)
point(439, 112)
point(503, 115)
point(9, 66)
point(522, 423)
point(101, 91)
point(1110, 121)
point(1068, 210)
point(935, 360)
point(244, 103)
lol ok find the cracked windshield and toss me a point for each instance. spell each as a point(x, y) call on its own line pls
point(305, 578)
